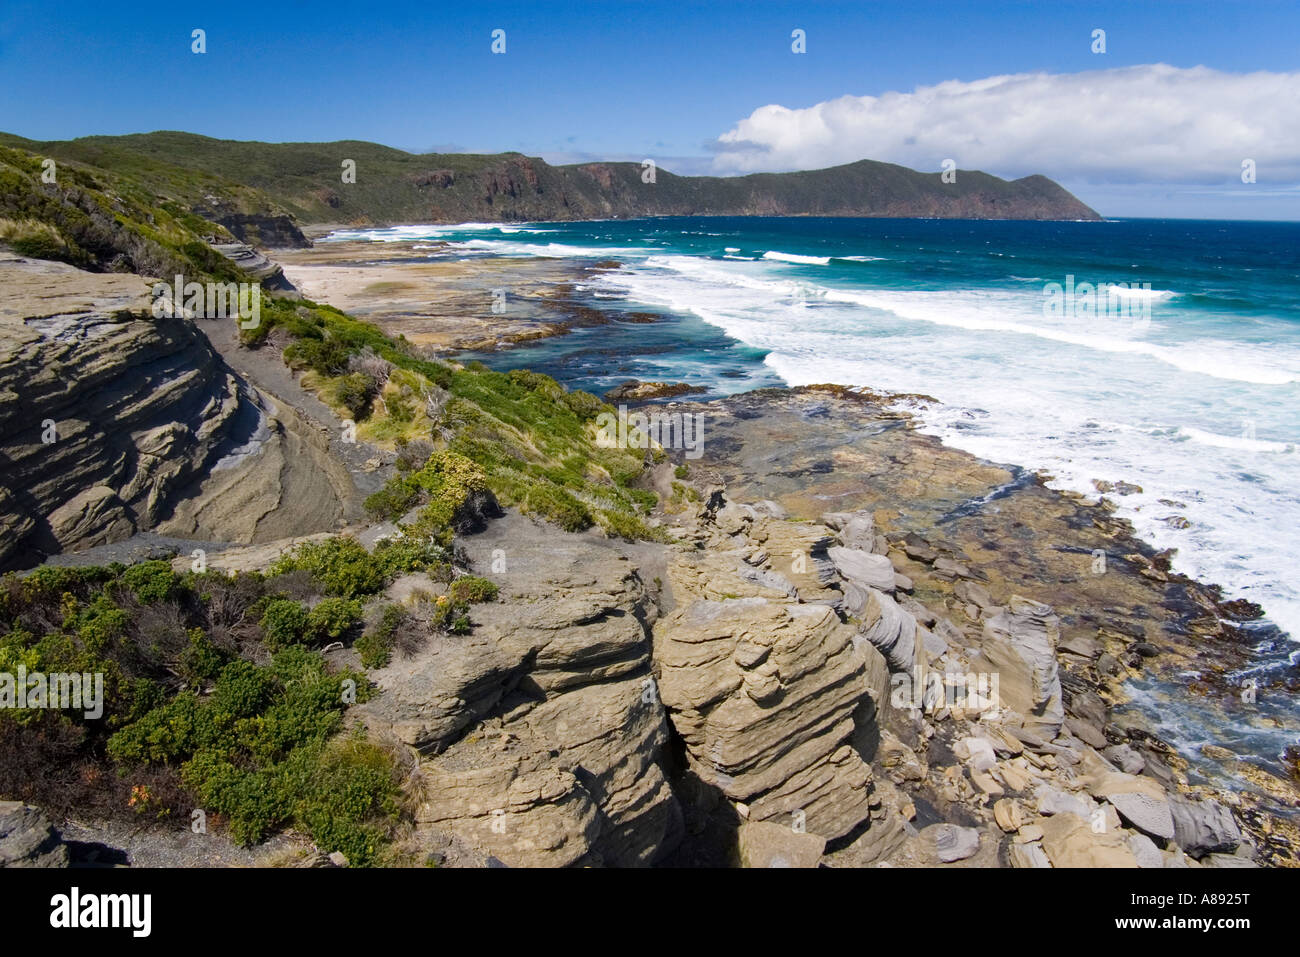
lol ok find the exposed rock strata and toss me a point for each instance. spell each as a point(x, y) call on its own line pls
point(113, 421)
point(541, 732)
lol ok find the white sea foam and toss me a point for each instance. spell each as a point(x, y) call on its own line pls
point(398, 234)
point(1131, 292)
point(796, 258)
point(1100, 399)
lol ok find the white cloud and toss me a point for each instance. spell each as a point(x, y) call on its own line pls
point(1141, 124)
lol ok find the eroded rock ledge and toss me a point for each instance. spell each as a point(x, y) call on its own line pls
point(761, 693)
point(113, 421)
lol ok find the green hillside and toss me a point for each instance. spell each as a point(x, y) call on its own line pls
point(237, 183)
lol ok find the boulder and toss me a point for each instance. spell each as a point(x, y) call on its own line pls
point(1148, 814)
point(1203, 827)
point(1020, 644)
point(1070, 841)
point(1145, 851)
point(28, 839)
point(854, 529)
point(886, 626)
point(1028, 855)
point(952, 843)
point(862, 568)
point(768, 844)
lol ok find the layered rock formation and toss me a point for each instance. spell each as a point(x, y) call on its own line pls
point(794, 707)
point(775, 690)
point(542, 732)
point(113, 422)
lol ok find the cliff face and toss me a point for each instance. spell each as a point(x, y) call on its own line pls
point(392, 186)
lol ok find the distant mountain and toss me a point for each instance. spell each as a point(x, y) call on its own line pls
point(223, 180)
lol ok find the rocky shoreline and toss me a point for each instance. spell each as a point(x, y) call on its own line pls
point(777, 683)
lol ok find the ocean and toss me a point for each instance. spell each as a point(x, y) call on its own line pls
point(1164, 354)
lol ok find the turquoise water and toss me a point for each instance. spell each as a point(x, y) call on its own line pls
point(1180, 376)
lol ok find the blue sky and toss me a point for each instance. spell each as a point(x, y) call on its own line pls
point(667, 80)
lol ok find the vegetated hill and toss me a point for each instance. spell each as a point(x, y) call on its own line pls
point(305, 181)
point(105, 221)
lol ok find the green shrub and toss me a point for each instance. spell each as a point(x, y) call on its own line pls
point(473, 590)
point(450, 616)
point(584, 404)
point(345, 796)
point(260, 752)
point(284, 622)
point(345, 569)
point(557, 506)
point(201, 661)
point(393, 501)
point(326, 357)
point(151, 581)
point(375, 646)
point(242, 690)
point(341, 565)
point(332, 618)
point(355, 391)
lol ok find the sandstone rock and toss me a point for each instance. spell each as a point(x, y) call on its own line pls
point(1053, 801)
point(1125, 758)
point(915, 547)
point(855, 529)
point(27, 839)
point(977, 751)
point(542, 729)
point(720, 576)
point(1203, 827)
point(1020, 644)
point(863, 568)
point(1148, 814)
point(800, 555)
point(1226, 860)
point(924, 616)
point(1028, 834)
point(783, 752)
point(949, 569)
point(152, 430)
point(1085, 646)
point(1028, 855)
point(1070, 841)
point(734, 518)
point(1087, 733)
point(637, 391)
point(1145, 851)
point(768, 509)
point(1008, 815)
point(973, 593)
point(766, 844)
point(887, 626)
point(934, 646)
point(952, 843)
